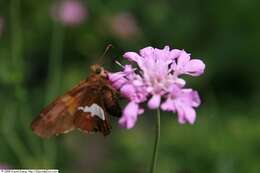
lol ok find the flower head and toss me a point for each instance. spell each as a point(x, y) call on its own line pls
point(69, 12)
point(124, 25)
point(157, 81)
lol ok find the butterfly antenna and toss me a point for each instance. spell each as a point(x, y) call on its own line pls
point(109, 46)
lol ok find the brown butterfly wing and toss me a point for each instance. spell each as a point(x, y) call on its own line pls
point(63, 114)
point(90, 122)
point(111, 102)
point(58, 117)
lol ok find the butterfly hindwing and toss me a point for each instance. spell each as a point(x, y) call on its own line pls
point(92, 115)
point(110, 102)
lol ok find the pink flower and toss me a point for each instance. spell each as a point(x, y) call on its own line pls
point(123, 25)
point(69, 12)
point(157, 81)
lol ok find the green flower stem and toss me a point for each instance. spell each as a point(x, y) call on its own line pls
point(157, 141)
point(53, 85)
point(16, 51)
point(55, 62)
point(16, 37)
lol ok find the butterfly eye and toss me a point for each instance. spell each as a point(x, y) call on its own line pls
point(98, 70)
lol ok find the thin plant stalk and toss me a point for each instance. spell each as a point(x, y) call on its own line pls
point(55, 62)
point(156, 142)
point(19, 102)
point(10, 137)
point(16, 145)
point(18, 67)
point(16, 37)
point(53, 83)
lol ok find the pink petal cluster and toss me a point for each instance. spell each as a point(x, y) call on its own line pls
point(157, 81)
point(69, 12)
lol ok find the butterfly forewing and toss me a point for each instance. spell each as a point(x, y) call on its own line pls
point(85, 107)
point(58, 117)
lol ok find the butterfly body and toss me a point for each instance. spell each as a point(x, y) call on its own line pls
point(85, 107)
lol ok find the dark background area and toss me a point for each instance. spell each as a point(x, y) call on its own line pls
point(41, 58)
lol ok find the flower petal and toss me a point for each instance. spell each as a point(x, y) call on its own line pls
point(162, 54)
point(147, 52)
point(132, 56)
point(115, 76)
point(130, 114)
point(180, 113)
point(168, 105)
point(127, 90)
point(190, 97)
point(119, 83)
point(185, 113)
point(128, 69)
point(117, 79)
point(140, 111)
point(195, 99)
point(175, 53)
point(195, 67)
point(190, 114)
point(183, 59)
point(180, 82)
point(154, 102)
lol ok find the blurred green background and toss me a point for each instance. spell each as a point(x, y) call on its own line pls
point(42, 57)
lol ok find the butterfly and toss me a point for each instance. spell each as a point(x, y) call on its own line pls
point(86, 107)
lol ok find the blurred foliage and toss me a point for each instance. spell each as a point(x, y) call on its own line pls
point(41, 59)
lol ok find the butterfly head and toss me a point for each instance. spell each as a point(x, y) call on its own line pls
point(98, 70)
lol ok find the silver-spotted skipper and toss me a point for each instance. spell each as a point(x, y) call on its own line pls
point(85, 107)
